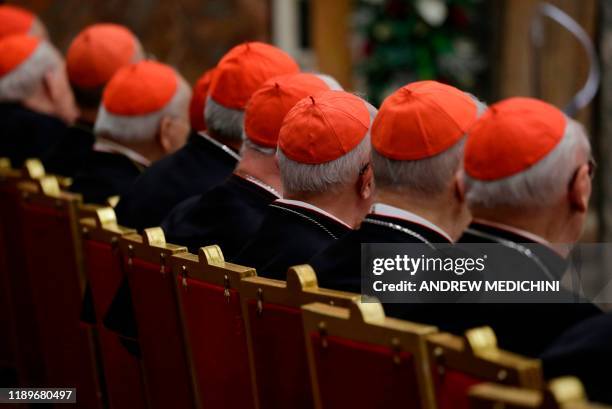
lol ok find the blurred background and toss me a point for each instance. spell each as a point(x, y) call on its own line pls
point(375, 46)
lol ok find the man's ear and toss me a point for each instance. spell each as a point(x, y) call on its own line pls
point(579, 191)
point(459, 185)
point(164, 136)
point(50, 86)
point(365, 183)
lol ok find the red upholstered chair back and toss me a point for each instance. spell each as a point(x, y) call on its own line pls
point(21, 347)
point(275, 334)
point(166, 369)
point(458, 363)
point(53, 264)
point(209, 300)
point(358, 358)
point(566, 392)
point(104, 271)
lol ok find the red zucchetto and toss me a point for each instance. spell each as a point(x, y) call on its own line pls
point(244, 69)
point(15, 20)
point(98, 52)
point(512, 136)
point(268, 106)
point(15, 50)
point(198, 101)
point(421, 120)
point(140, 89)
point(325, 127)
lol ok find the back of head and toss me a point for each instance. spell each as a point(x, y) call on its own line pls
point(15, 20)
point(522, 154)
point(237, 76)
point(418, 138)
point(270, 104)
point(94, 56)
point(324, 143)
point(138, 101)
point(197, 105)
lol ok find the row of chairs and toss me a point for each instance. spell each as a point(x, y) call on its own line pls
point(213, 334)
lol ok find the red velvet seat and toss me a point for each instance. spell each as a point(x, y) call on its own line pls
point(275, 335)
point(104, 270)
point(213, 327)
point(460, 363)
point(49, 229)
point(21, 346)
point(361, 359)
point(166, 370)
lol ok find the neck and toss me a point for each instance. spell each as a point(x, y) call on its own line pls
point(39, 103)
point(547, 223)
point(336, 203)
point(232, 143)
point(446, 213)
point(148, 150)
point(260, 166)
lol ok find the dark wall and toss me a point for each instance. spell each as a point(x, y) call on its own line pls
point(188, 34)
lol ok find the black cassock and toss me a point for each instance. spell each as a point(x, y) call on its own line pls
point(584, 351)
point(104, 175)
point(70, 153)
point(195, 168)
point(227, 215)
point(289, 235)
point(27, 134)
point(339, 265)
point(525, 328)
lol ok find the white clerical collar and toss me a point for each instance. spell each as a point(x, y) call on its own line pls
point(392, 211)
point(258, 182)
point(219, 145)
point(108, 146)
point(528, 235)
point(314, 208)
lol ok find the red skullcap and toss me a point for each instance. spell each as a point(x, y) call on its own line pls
point(268, 106)
point(15, 50)
point(15, 20)
point(98, 52)
point(511, 136)
point(322, 128)
point(422, 119)
point(198, 101)
point(244, 69)
point(140, 89)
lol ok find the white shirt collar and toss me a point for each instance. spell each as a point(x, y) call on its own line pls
point(219, 145)
point(314, 208)
point(108, 146)
point(528, 235)
point(392, 211)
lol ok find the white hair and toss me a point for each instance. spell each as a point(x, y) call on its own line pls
point(540, 185)
point(428, 176)
point(249, 144)
point(141, 128)
point(222, 121)
point(330, 81)
point(23, 81)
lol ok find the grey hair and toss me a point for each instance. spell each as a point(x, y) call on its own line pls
point(249, 144)
point(222, 121)
point(540, 185)
point(330, 81)
point(23, 81)
point(428, 176)
point(141, 128)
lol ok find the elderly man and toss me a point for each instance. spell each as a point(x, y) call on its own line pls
point(209, 157)
point(231, 212)
point(36, 102)
point(15, 20)
point(417, 140)
point(138, 124)
point(527, 183)
point(92, 59)
point(324, 160)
